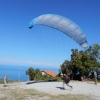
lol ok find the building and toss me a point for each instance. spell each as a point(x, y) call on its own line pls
point(49, 73)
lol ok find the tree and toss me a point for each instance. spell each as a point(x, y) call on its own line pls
point(31, 73)
point(82, 61)
point(94, 51)
point(38, 74)
point(66, 67)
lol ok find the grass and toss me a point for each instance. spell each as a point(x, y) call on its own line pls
point(71, 97)
point(30, 94)
point(20, 94)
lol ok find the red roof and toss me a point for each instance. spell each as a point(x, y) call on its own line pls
point(49, 72)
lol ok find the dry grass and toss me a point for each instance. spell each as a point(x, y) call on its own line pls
point(71, 97)
point(17, 94)
point(30, 94)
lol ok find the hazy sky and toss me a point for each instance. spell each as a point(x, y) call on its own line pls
point(43, 45)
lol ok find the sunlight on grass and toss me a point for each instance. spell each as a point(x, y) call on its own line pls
point(71, 97)
point(30, 94)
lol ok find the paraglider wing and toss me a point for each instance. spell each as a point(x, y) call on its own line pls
point(62, 24)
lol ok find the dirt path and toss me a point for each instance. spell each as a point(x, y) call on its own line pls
point(56, 88)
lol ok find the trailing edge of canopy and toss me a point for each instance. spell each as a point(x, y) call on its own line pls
point(62, 24)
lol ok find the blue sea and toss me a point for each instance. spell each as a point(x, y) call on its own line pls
point(17, 72)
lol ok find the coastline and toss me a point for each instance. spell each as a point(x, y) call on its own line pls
point(18, 72)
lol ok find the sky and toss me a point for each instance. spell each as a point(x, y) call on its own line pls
point(42, 45)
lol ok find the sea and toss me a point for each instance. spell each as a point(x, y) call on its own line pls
point(18, 72)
